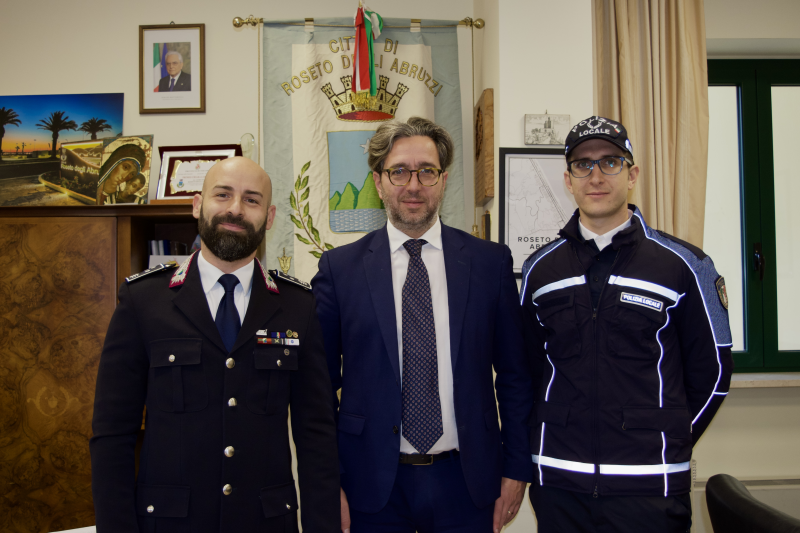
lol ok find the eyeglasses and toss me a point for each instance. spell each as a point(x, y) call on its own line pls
point(427, 176)
point(610, 166)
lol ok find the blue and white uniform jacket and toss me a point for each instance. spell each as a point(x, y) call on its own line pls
point(624, 391)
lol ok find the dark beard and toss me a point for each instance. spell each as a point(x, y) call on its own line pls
point(225, 244)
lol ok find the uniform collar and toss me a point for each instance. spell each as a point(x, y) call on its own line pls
point(605, 239)
point(209, 274)
point(629, 235)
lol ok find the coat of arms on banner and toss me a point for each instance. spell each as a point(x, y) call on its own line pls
point(354, 204)
point(317, 128)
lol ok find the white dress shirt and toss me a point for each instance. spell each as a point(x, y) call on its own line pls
point(433, 257)
point(605, 239)
point(209, 276)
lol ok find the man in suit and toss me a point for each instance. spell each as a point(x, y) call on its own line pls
point(177, 79)
point(415, 315)
point(217, 351)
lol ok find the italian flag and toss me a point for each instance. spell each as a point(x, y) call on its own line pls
point(159, 65)
point(368, 27)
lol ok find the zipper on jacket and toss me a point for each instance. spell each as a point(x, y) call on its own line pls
point(595, 440)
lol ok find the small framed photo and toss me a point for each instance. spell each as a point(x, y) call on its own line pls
point(184, 168)
point(534, 200)
point(544, 130)
point(172, 68)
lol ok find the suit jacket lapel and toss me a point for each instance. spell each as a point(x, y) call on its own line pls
point(378, 267)
point(191, 300)
point(263, 304)
point(457, 267)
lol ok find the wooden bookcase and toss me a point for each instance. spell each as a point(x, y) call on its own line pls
point(60, 268)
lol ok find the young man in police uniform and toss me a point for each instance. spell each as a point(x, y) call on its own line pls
point(631, 353)
point(217, 351)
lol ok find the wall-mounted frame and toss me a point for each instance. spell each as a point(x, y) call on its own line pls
point(545, 130)
point(172, 68)
point(534, 201)
point(184, 168)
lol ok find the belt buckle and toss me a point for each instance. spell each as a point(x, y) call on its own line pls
point(430, 461)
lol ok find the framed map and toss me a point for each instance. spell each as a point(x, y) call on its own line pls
point(534, 201)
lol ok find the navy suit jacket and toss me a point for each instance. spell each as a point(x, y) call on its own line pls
point(184, 83)
point(355, 305)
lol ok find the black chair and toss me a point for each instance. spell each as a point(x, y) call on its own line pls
point(734, 510)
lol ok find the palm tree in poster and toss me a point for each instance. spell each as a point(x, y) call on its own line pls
point(8, 117)
point(95, 126)
point(56, 123)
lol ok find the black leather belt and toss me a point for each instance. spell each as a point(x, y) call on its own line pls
point(425, 459)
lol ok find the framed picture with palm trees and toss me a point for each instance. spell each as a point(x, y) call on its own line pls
point(172, 68)
point(33, 129)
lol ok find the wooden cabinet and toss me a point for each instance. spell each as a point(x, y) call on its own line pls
point(60, 268)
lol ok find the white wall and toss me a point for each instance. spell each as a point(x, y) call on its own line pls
point(541, 45)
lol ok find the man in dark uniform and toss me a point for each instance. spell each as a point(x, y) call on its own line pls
point(631, 353)
point(217, 351)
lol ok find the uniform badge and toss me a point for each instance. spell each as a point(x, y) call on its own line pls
point(722, 292)
point(268, 279)
point(180, 276)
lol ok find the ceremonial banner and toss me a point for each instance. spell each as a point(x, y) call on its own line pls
point(315, 133)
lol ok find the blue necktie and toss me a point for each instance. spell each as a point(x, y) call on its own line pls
point(171, 83)
point(422, 410)
point(227, 318)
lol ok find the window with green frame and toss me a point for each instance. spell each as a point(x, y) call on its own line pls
point(754, 144)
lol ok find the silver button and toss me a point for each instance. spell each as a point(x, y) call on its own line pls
point(230, 363)
point(150, 508)
point(227, 489)
point(171, 358)
point(229, 451)
point(232, 402)
point(288, 506)
point(286, 351)
point(279, 363)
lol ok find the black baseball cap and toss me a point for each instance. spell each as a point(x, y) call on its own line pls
point(597, 128)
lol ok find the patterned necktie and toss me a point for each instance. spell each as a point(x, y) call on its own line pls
point(227, 319)
point(422, 411)
point(171, 83)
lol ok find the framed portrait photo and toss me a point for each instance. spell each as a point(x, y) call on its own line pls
point(172, 68)
point(534, 200)
point(184, 168)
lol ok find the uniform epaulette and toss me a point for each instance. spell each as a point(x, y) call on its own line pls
point(286, 277)
point(152, 270)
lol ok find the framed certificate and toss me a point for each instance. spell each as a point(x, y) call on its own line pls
point(184, 168)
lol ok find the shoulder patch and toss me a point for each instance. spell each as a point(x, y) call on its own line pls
point(700, 254)
point(722, 292)
point(291, 279)
point(152, 270)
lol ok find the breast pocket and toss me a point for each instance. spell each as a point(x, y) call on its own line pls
point(179, 381)
point(268, 391)
point(557, 313)
point(637, 318)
